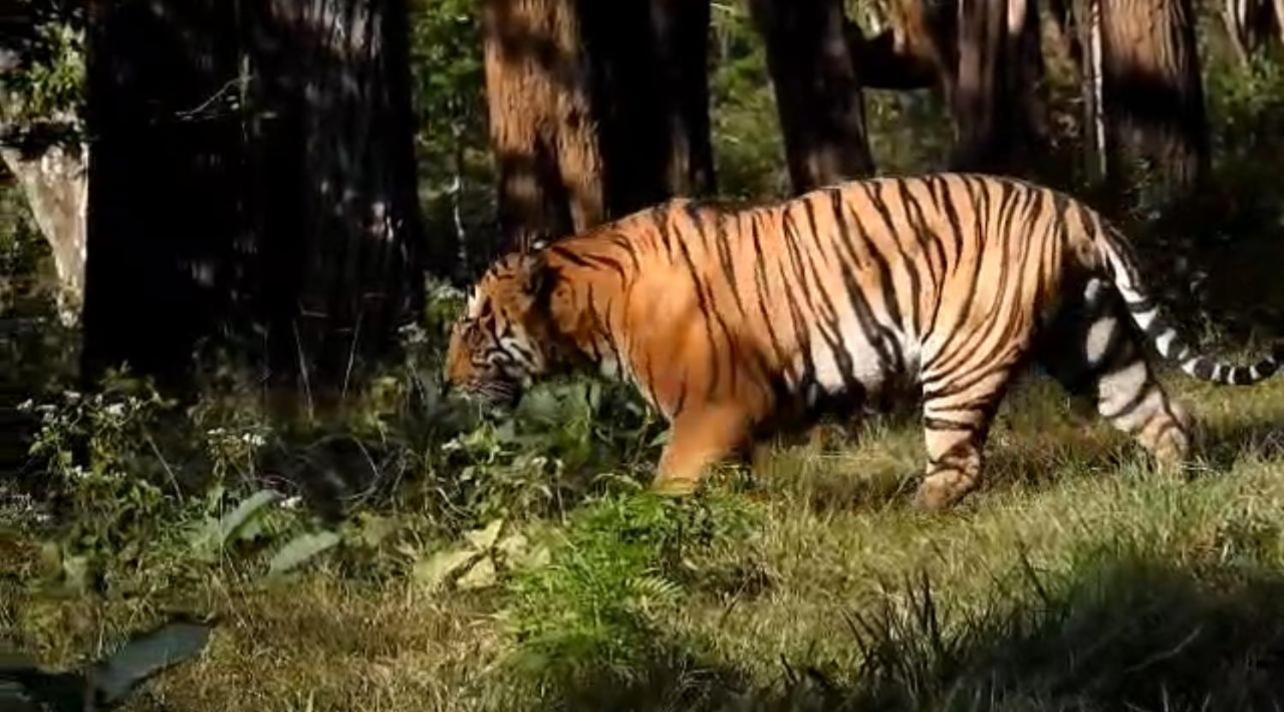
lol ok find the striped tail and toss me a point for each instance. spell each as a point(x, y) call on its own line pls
point(1147, 314)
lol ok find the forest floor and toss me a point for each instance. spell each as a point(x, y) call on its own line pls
point(1077, 577)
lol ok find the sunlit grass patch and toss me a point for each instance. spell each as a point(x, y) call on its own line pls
point(1077, 576)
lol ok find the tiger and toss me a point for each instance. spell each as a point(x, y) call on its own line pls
point(736, 321)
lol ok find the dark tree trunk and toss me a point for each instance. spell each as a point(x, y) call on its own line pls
point(996, 106)
point(543, 129)
point(251, 164)
point(1153, 97)
point(651, 96)
point(333, 197)
point(918, 51)
point(163, 174)
point(818, 93)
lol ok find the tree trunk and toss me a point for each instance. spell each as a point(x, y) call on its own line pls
point(163, 171)
point(917, 51)
point(333, 200)
point(251, 179)
point(56, 185)
point(818, 93)
point(996, 106)
point(651, 97)
point(543, 129)
point(1153, 97)
point(1251, 24)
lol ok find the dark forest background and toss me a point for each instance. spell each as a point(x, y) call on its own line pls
point(233, 235)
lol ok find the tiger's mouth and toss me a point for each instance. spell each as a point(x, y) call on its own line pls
point(495, 392)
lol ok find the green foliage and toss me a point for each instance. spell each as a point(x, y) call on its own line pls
point(747, 145)
point(24, 255)
point(48, 82)
point(456, 169)
point(619, 568)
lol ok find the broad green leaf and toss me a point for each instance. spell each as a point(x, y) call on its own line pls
point(300, 549)
point(233, 523)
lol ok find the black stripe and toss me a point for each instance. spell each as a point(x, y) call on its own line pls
point(706, 313)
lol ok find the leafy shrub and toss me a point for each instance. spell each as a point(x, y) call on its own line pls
point(619, 567)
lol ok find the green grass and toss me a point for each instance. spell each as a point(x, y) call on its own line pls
point(1077, 578)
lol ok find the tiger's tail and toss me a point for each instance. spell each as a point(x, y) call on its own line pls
point(1146, 313)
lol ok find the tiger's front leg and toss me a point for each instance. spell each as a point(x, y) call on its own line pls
point(699, 437)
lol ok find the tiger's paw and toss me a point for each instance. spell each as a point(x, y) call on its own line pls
point(942, 490)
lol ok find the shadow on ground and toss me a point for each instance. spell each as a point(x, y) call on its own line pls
point(1125, 633)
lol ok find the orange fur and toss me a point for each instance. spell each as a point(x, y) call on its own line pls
point(731, 322)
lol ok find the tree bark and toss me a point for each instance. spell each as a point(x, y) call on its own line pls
point(333, 200)
point(651, 97)
point(56, 185)
point(1153, 97)
point(918, 50)
point(995, 98)
point(252, 182)
point(163, 172)
point(543, 129)
point(818, 92)
point(1251, 24)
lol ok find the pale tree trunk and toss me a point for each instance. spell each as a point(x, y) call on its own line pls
point(56, 185)
point(543, 129)
point(996, 106)
point(818, 92)
point(1153, 99)
point(1251, 24)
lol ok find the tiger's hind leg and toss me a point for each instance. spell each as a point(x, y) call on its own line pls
point(1093, 351)
point(956, 424)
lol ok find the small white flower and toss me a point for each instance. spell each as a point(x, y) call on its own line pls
point(115, 410)
point(291, 502)
point(253, 440)
point(71, 396)
point(26, 406)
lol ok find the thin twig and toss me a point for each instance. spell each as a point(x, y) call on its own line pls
point(303, 369)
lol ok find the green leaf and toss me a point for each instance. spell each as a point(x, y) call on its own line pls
point(234, 523)
point(300, 549)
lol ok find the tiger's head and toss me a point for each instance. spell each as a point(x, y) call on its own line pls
point(500, 342)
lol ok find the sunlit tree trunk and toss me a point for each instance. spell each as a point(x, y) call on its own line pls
point(543, 129)
point(55, 182)
point(1251, 24)
point(1153, 99)
point(333, 200)
point(818, 92)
